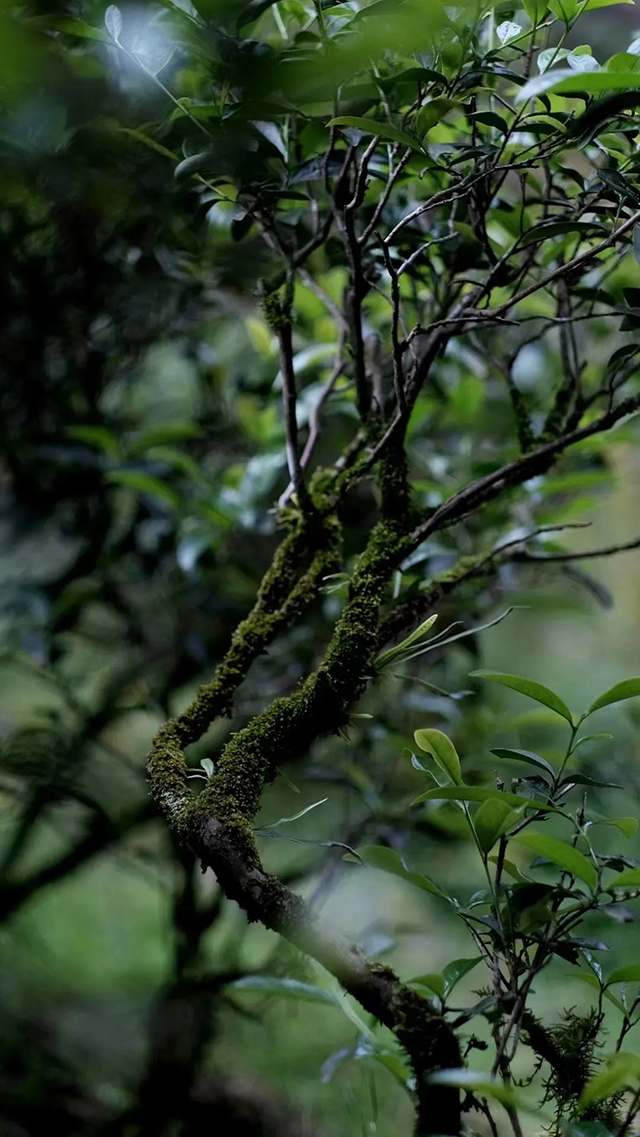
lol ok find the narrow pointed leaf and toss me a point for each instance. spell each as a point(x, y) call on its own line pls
point(561, 853)
point(481, 793)
point(381, 129)
point(296, 816)
point(287, 988)
point(524, 756)
point(531, 688)
point(456, 970)
point(628, 689)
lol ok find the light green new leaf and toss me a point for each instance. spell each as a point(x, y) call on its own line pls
point(629, 974)
point(437, 744)
point(288, 988)
point(629, 879)
point(561, 853)
point(627, 689)
point(381, 129)
point(531, 688)
point(492, 820)
point(481, 793)
point(626, 825)
point(622, 1070)
point(379, 857)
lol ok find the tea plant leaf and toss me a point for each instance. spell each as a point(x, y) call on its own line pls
point(561, 853)
point(531, 688)
point(441, 748)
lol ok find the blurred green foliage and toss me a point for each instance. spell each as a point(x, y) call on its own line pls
point(145, 153)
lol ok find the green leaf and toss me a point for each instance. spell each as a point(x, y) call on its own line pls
point(590, 738)
point(561, 853)
point(531, 688)
point(491, 820)
point(473, 1080)
point(253, 11)
point(622, 1070)
point(565, 81)
point(627, 689)
point(626, 825)
point(398, 653)
point(585, 1129)
point(490, 118)
point(191, 165)
point(208, 767)
point(437, 744)
point(161, 435)
point(379, 857)
point(592, 981)
point(433, 981)
point(535, 9)
point(557, 228)
point(80, 28)
point(456, 970)
point(629, 974)
point(630, 879)
point(524, 756)
point(140, 136)
point(461, 792)
point(287, 988)
point(381, 129)
point(585, 780)
point(145, 483)
point(97, 436)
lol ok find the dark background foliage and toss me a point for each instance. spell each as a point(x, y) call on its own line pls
point(142, 451)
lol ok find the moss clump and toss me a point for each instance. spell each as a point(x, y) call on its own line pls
point(569, 1049)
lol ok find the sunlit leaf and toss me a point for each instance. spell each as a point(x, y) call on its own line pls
point(437, 744)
